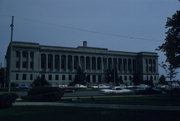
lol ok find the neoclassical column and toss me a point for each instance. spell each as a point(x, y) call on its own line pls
point(85, 64)
point(156, 66)
point(53, 62)
point(102, 65)
point(96, 63)
point(59, 62)
point(144, 65)
point(28, 60)
point(131, 67)
point(46, 62)
point(90, 64)
point(66, 64)
point(72, 63)
point(20, 60)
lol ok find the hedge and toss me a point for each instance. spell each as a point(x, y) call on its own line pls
point(7, 99)
point(44, 94)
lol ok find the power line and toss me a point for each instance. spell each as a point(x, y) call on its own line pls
point(90, 31)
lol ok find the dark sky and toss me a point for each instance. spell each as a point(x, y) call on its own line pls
point(123, 25)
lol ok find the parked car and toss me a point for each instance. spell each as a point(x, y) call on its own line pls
point(100, 86)
point(148, 91)
point(23, 86)
point(63, 85)
point(80, 86)
point(116, 91)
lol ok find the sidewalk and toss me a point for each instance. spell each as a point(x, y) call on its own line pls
point(105, 106)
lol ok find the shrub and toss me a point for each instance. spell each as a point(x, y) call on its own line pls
point(44, 94)
point(7, 99)
point(40, 82)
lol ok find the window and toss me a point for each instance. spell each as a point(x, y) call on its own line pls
point(24, 77)
point(43, 76)
point(43, 61)
point(50, 61)
point(17, 64)
point(63, 77)
point(125, 77)
point(25, 54)
point(17, 54)
point(17, 76)
point(31, 65)
point(32, 55)
point(24, 64)
point(57, 77)
point(31, 77)
point(70, 77)
point(50, 77)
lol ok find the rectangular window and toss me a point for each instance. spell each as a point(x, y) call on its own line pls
point(31, 65)
point(31, 77)
point(125, 77)
point(17, 64)
point(50, 77)
point(63, 77)
point(57, 77)
point(32, 55)
point(43, 76)
point(70, 77)
point(17, 76)
point(25, 54)
point(17, 54)
point(24, 64)
point(24, 77)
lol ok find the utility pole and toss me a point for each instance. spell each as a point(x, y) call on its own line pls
point(12, 28)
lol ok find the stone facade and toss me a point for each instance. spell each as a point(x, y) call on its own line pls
point(26, 61)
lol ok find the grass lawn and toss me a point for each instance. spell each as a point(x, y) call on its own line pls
point(159, 100)
point(46, 113)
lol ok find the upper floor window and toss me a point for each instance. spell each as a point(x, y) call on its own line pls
point(25, 54)
point(17, 54)
point(32, 55)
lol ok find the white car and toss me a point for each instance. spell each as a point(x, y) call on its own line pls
point(80, 86)
point(143, 86)
point(116, 91)
point(63, 85)
point(101, 86)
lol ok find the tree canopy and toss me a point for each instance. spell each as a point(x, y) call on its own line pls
point(171, 47)
point(80, 77)
point(40, 82)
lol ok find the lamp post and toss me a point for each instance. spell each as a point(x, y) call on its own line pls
point(10, 49)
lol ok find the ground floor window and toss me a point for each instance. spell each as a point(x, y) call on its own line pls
point(50, 77)
point(70, 77)
point(24, 77)
point(57, 77)
point(17, 76)
point(31, 77)
point(63, 77)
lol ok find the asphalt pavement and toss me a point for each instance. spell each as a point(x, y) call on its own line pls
point(105, 106)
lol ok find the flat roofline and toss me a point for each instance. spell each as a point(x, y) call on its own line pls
point(81, 49)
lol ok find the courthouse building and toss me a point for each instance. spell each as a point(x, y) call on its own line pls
point(26, 61)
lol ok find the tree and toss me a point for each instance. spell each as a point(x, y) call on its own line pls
point(171, 47)
point(2, 76)
point(136, 79)
point(120, 80)
point(115, 78)
point(40, 82)
point(111, 75)
point(80, 77)
point(108, 75)
point(170, 70)
point(162, 80)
